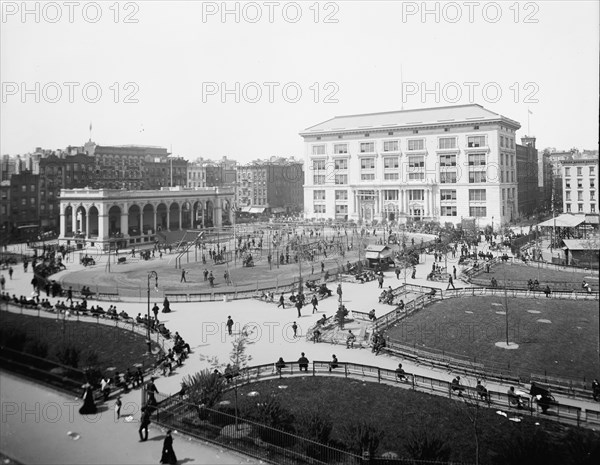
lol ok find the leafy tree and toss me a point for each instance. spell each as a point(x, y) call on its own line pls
point(314, 425)
point(204, 388)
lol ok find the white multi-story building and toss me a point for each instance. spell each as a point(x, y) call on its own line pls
point(445, 164)
point(580, 185)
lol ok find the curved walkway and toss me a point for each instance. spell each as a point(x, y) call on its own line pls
point(271, 337)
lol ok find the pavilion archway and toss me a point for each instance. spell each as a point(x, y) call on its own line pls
point(208, 214)
point(93, 221)
point(114, 221)
point(198, 215)
point(134, 227)
point(161, 217)
point(174, 211)
point(186, 216)
point(148, 218)
point(69, 221)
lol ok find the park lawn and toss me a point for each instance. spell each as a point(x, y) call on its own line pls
point(564, 344)
point(115, 347)
point(398, 411)
point(520, 273)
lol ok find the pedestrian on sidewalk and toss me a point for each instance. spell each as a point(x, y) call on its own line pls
point(10, 272)
point(414, 272)
point(397, 271)
point(183, 280)
point(339, 292)
point(2, 282)
point(281, 301)
point(295, 328)
point(454, 271)
point(229, 324)
point(168, 454)
point(299, 307)
point(315, 302)
point(380, 279)
point(118, 405)
point(450, 283)
point(144, 423)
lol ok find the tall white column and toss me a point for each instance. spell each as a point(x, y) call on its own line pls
point(154, 214)
point(87, 224)
point(74, 220)
point(124, 223)
point(102, 227)
point(168, 218)
point(63, 226)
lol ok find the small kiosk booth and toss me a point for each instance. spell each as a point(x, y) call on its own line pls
point(379, 256)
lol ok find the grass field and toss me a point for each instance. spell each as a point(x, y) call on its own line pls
point(520, 273)
point(400, 412)
point(115, 347)
point(556, 337)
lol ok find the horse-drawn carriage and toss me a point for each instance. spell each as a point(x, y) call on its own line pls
point(542, 397)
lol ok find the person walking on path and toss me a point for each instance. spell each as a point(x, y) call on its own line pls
point(144, 423)
point(380, 279)
point(10, 272)
point(2, 282)
point(168, 454)
point(450, 283)
point(299, 307)
point(229, 324)
point(155, 311)
point(339, 292)
point(315, 302)
point(70, 294)
point(281, 301)
point(118, 405)
point(205, 273)
point(183, 280)
point(295, 328)
point(397, 271)
point(414, 273)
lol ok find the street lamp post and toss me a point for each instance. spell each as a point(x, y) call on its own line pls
point(152, 274)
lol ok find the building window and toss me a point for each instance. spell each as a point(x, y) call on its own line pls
point(447, 195)
point(502, 141)
point(447, 143)
point(340, 148)
point(367, 163)
point(319, 195)
point(391, 176)
point(318, 150)
point(390, 162)
point(341, 195)
point(593, 208)
point(592, 195)
point(580, 207)
point(367, 176)
point(390, 146)
point(447, 160)
point(580, 184)
point(568, 195)
point(567, 183)
point(568, 205)
point(319, 209)
point(416, 144)
point(579, 171)
point(341, 164)
point(512, 143)
point(477, 211)
point(447, 177)
point(367, 147)
point(319, 179)
point(341, 209)
point(477, 195)
point(477, 176)
point(477, 159)
point(567, 172)
point(580, 196)
point(592, 170)
point(318, 165)
point(341, 179)
point(448, 210)
point(390, 195)
point(476, 141)
point(592, 183)
point(415, 195)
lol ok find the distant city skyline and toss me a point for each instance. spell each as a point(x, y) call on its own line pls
point(172, 78)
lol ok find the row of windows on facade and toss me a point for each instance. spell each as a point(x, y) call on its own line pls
point(475, 195)
point(449, 210)
point(580, 208)
point(591, 172)
point(414, 161)
point(444, 143)
point(592, 183)
point(580, 196)
point(445, 177)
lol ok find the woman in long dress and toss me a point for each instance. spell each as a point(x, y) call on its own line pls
point(89, 406)
point(168, 454)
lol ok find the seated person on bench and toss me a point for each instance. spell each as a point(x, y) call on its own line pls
point(513, 398)
point(456, 386)
point(400, 373)
point(279, 365)
point(350, 339)
point(303, 362)
point(481, 391)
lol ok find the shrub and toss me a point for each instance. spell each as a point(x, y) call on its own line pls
point(14, 339)
point(422, 444)
point(68, 354)
point(36, 348)
point(532, 449)
point(204, 388)
point(362, 436)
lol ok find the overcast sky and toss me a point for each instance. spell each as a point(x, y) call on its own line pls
point(169, 73)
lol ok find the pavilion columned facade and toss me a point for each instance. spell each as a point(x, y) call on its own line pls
point(102, 216)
